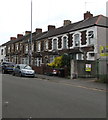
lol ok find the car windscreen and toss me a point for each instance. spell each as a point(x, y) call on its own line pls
point(27, 67)
point(8, 64)
point(22, 66)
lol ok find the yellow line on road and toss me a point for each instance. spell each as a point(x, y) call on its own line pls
point(89, 88)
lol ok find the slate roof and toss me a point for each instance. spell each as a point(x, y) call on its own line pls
point(99, 20)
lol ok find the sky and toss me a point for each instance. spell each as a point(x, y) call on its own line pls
point(15, 15)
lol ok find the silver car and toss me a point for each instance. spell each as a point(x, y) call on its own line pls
point(23, 70)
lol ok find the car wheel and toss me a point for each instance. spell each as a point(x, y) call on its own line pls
point(3, 71)
point(13, 73)
point(20, 74)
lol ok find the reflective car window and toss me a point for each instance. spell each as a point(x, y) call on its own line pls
point(28, 67)
point(22, 66)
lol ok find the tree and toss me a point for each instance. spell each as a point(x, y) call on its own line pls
point(65, 60)
point(57, 63)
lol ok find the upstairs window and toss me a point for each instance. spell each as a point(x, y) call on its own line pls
point(90, 37)
point(26, 48)
point(38, 46)
point(55, 44)
point(46, 45)
point(76, 40)
point(20, 46)
point(17, 46)
point(12, 47)
point(32, 47)
point(8, 49)
point(1, 51)
point(64, 42)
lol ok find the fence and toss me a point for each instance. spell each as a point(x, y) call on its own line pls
point(81, 68)
point(102, 69)
point(86, 69)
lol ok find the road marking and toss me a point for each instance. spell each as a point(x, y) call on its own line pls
point(79, 86)
point(89, 88)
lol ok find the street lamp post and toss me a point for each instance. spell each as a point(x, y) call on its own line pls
point(30, 43)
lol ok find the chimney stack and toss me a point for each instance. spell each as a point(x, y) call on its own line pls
point(66, 22)
point(19, 35)
point(87, 15)
point(38, 30)
point(51, 27)
point(12, 38)
point(27, 32)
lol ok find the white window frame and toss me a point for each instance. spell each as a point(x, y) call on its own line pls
point(46, 45)
point(32, 47)
point(26, 48)
point(53, 43)
point(17, 46)
point(20, 46)
point(12, 47)
point(79, 56)
point(8, 49)
point(38, 61)
point(92, 39)
point(77, 33)
point(65, 36)
point(38, 46)
point(2, 51)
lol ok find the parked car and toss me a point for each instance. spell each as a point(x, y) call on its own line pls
point(7, 67)
point(23, 70)
point(58, 72)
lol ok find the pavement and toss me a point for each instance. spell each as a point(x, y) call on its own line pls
point(87, 83)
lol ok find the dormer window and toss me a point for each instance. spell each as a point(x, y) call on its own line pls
point(76, 40)
point(55, 44)
point(90, 37)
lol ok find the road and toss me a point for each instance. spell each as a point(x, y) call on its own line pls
point(24, 97)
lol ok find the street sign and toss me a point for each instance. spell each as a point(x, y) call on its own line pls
point(88, 67)
point(103, 50)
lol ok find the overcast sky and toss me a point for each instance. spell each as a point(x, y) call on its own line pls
point(15, 15)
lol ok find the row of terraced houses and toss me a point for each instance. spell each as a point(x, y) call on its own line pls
point(83, 40)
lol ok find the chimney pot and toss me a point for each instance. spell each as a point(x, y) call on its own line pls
point(12, 38)
point(51, 27)
point(66, 22)
point(87, 15)
point(38, 30)
point(19, 35)
point(27, 32)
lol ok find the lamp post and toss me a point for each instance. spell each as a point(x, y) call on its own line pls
point(30, 43)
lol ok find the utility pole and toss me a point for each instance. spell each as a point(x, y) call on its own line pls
point(30, 60)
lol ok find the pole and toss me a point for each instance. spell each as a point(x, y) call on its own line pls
point(31, 37)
